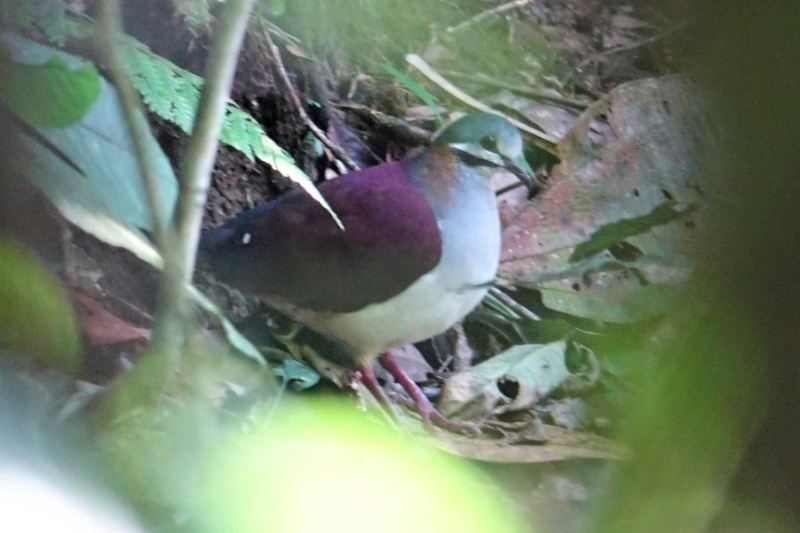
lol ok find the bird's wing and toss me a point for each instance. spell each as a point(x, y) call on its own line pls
point(292, 249)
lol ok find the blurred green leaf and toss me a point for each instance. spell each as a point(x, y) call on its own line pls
point(90, 166)
point(48, 17)
point(237, 340)
point(323, 466)
point(614, 296)
point(36, 319)
point(50, 95)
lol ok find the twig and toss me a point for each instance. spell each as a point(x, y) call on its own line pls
point(110, 29)
point(195, 175)
point(519, 89)
point(540, 139)
point(644, 42)
point(399, 128)
point(463, 353)
point(480, 17)
point(280, 32)
point(174, 327)
point(513, 304)
point(511, 187)
point(341, 156)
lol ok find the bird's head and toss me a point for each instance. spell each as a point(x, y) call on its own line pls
point(485, 139)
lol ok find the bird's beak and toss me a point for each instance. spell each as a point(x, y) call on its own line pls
point(517, 166)
point(522, 170)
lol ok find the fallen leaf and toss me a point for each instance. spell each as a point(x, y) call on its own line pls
point(615, 226)
point(101, 326)
point(513, 380)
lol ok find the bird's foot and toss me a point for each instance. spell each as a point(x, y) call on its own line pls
point(431, 416)
point(368, 379)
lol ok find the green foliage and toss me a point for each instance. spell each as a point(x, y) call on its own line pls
point(167, 90)
point(47, 16)
point(196, 14)
point(295, 373)
point(328, 458)
point(48, 95)
point(369, 31)
point(617, 232)
point(88, 169)
point(173, 94)
point(36, 320)
point(414, 86)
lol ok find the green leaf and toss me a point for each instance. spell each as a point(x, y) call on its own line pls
point(49, 95)
point(36, 319)
point(91, 174)
point(617, 232)
point(90, 166)
point(535, 370)
point(623, 299)
point(47, 16)
point(412, 85)
point(272, 154)
point(297, 374)
point(237, 340)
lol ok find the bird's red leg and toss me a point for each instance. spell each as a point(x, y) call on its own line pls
point(421, 402)
point(429, 413)
point(371, 382)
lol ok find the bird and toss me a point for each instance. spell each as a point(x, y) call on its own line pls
point(418, 250)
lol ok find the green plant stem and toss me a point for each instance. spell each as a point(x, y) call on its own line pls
point(175, 326)
point(195, 175)
point(144, 384)
point(110, 29)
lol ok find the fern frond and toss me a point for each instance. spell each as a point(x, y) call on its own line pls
point(173, 93)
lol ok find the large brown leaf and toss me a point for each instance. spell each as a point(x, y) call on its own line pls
point(612, 233)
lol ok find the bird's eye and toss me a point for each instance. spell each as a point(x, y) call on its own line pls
point(489, 143)
point(244, 238)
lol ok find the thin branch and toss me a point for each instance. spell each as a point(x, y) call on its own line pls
point(333, 147)
point(281, 33)
point(621, 49)
point(174, 327)
point(110, 29)
point(480, 17)
point(559, 100)
point(400, 129)
point(513, 304)
point(198, 162)
point(144, 384)
point(643, 42)
point(540, 139)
